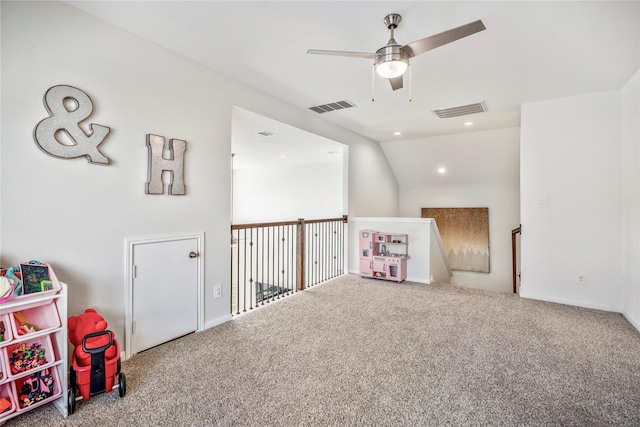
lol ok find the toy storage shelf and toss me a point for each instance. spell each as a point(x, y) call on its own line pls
point(49, 312)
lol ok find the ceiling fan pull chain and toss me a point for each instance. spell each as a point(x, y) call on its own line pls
point(410, 80)
point(373, 83)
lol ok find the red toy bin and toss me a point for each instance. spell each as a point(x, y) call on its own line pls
point(4, 370)
point(49, 354)
point(17, 387)
point(6, 392)
point(83, 374)
point(44, 318)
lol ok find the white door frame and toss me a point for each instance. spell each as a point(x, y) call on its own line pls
point(128, 276)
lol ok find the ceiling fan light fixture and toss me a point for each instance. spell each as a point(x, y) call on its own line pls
point(391, 61)
point(391, 69)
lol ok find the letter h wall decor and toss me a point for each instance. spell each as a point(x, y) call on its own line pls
point(158, 164)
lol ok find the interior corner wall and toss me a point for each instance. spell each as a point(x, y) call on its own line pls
point(571, 200)
point(76, 215)
point(631, 198)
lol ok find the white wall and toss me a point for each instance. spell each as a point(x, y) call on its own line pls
point(286, 193)
point(631, 199)
point(76, 215)
point(571, 200)
point(483, 171)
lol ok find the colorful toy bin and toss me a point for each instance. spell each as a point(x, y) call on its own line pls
point(93, 373)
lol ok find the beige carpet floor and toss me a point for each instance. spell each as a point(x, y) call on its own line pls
point(362, 352)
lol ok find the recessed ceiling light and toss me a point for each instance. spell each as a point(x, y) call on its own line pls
point(283, 156)
point(265, 133)
point(441, 170)
point(397, 133)
point(468, 123)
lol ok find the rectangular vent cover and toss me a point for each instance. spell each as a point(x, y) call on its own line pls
point(461, 110)
point(325, 108)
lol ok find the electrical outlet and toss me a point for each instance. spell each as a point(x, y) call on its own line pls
point(581, 279)
point(217, 290)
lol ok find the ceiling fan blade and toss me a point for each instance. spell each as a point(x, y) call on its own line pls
point(364, 55)
point(396, 83)
point(426, 44)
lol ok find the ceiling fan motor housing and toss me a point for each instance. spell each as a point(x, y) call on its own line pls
point(393, 52)
point(391, 60)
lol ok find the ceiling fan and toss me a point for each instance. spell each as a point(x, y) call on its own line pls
point(392, 60)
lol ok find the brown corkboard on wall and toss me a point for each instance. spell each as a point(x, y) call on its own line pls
point(465, 235)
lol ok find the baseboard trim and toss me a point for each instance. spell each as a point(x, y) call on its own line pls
point(575, 303)
point(209, 324)
point(408, 279)
point(218, 321)
point(632, 321)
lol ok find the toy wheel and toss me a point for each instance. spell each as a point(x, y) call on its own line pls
point(122, 384)
point(71, 402)
point(72, 379)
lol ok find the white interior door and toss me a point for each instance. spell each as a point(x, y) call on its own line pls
point(164, 291)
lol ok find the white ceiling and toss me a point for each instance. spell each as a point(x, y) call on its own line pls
point(530, 51)
point(284, 144)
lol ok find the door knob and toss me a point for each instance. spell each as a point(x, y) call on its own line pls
point(193, 254)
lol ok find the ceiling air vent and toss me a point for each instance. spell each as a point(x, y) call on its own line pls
point(461, 110)
point(325, 108)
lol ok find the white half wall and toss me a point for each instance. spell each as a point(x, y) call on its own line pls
point(428, 261)
point(571, 200)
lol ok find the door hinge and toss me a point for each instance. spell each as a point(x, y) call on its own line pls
point(133, 327)
point(134, 271)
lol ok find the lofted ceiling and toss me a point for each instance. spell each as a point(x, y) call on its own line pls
point(530, 50)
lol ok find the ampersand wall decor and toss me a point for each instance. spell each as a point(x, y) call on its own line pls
point(68, 106)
